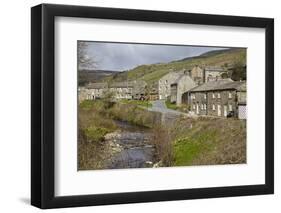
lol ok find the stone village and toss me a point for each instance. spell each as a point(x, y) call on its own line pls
point(202, 89)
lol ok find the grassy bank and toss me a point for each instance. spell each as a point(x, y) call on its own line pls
point(140, 103)
point(208, 141)
point(170, 105)
point(133, 114)
point(93, 126)
point(182, 108)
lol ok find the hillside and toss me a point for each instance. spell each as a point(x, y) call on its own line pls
point(151, 73)
point(86, 76)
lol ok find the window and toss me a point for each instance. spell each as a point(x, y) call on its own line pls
point(192, 96)
point(205, 106)
point(230, 107)
point(205, 96)
point(229, 95)
point(213, 95)
point(202, 107)
point(214, 107)
point(193, 106)
point(219, 95)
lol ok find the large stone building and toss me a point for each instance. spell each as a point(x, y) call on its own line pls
point(181, 85)
point(218, 98)
point(164, 84)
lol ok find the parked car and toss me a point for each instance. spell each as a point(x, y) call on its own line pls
point(230, 114)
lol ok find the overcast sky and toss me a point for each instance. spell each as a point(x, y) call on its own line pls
point(124, 56)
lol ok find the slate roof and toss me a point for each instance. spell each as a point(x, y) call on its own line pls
point(223, 84)
point(214, 68)
point(123, 84)
point(180, 77)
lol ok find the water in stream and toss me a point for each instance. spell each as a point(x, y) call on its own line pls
point(133, 146)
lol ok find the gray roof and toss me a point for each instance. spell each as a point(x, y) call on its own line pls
point(180, 77)
point(96, 85)
point(123, 84)
point(223, 84)
point(214, 68)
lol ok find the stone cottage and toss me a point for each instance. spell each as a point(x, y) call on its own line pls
point(164, 84)
point(218, 98)
point(181, 85)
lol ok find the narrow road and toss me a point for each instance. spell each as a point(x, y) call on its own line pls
point(167, 114)
point(160, 106)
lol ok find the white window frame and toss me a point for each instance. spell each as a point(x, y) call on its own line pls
point(229, 95)
point(230, 108)
point(214, 107)
point(214, 95)
point(219, 95)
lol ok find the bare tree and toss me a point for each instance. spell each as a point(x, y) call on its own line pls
point(84, 60)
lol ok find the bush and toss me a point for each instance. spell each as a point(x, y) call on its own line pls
point(95, 134)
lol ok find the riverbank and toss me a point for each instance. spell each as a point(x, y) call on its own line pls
point(100, 120)
point(147, 141)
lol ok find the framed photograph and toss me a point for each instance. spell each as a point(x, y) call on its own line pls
point(139, 106)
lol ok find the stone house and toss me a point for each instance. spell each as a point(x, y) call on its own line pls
point(181, 85)
point(121, 90)
point(197, 74)
point(164, 84)
point(213, 73)
point(218, 98)
point(95, 90)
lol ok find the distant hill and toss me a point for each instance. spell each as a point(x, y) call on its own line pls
point(86, 76)
point(153, 72)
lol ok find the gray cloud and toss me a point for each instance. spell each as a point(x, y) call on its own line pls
point(124, 56)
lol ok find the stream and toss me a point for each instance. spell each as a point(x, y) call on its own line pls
point(131, 147)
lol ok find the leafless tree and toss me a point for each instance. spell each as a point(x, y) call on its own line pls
point(84, 60)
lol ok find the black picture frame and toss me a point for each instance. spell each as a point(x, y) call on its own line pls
point(43, 102)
